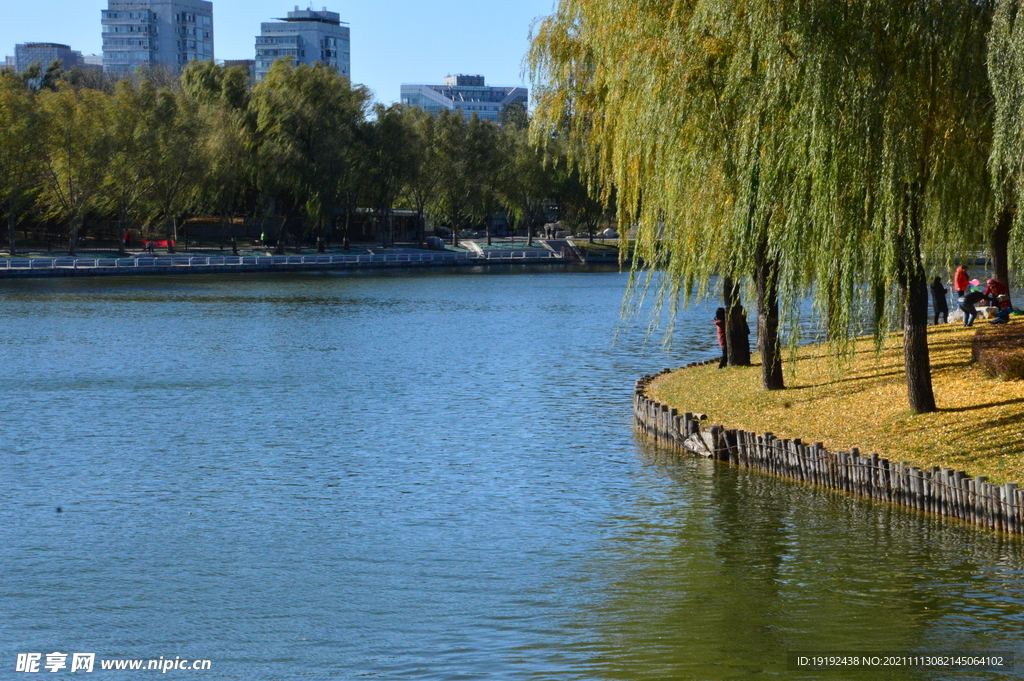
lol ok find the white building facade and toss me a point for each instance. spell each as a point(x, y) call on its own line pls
point(307, 36)
point(467, 94)
point(167, 33)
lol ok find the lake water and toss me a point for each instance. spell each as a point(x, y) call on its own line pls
point(426, 476)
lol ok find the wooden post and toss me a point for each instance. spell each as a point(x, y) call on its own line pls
point(979, 500)
point(1009, 490)
point(960, 484)
point(716, 442)
point(935, 482)
point(886, 479)
point(913, 485)
point(1012, 494)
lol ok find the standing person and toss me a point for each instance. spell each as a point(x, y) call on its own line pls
point(939, 304)
point(967, 304)
point(961, 282)
point(720, 326)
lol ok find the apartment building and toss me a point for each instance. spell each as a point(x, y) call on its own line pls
point(307, 36)
point(167, 33)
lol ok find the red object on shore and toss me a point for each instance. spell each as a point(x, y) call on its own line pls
point(960, 282)
point(158, 244)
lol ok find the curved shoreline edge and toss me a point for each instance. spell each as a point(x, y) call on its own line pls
point(941, 491)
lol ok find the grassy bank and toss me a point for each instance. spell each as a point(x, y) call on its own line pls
point(979, 427)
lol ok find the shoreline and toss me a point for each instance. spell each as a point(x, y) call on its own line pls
point(939, 491)
point(34, 268)
point(861, 401)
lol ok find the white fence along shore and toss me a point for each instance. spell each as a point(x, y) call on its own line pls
point(182, 263)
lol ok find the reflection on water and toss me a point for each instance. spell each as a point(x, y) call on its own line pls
point(425, 476)
point(722, 571)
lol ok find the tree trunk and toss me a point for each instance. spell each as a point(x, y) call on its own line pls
point(76, 224)
point(913, 286)
point(281, 234)
point(736, 330)
point(1000, 243)
point(768, 343)
point(916, 360)
point(234, 245)
point(169, 230)
point(122, 221)
point(12, 225)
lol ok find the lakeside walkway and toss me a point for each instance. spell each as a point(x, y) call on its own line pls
point(68, 266)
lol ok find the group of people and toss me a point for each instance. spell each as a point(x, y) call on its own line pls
point(995, 294)
point(968, 296)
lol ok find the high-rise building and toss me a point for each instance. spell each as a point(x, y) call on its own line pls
point(167, 33)
point(27, 54)
point(466, 94)
point(307, 36)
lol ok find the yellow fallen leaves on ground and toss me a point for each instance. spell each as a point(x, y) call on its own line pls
point(979, 427)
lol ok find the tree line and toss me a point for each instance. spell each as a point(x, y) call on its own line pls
point(837, 148)
point(304, 152)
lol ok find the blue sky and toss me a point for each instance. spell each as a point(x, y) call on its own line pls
point(393, 41)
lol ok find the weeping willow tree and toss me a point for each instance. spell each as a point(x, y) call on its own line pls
point(1006, 72)
point(894, 127)
point(814, 143)
point(682, 109)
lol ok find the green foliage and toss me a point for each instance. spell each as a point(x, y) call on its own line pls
point(19, 151)
point(1006, 74)
point(75, 147)
point(530, 176)
point(833, 143)
point(128, 178)
point(305, 117)
point(302, 148)
point(452, 199)
point(388, 140)
point(176, 160)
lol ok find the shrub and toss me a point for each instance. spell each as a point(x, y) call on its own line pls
point(999, 351)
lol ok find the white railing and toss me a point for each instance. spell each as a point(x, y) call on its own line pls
point(143, 261)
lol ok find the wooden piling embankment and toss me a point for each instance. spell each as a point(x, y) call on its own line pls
point(936, 490)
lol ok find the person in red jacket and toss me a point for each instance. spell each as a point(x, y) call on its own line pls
point(720, 325)
point(995, 288)
point(961, 282)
